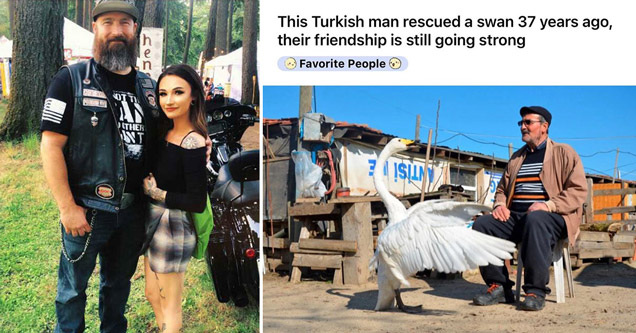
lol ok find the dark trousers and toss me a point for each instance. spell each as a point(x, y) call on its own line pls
point(116, 239)
point(538, 233)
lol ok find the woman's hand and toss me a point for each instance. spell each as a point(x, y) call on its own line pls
point(151, 189)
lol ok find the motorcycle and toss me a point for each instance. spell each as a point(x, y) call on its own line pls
point(233, 256)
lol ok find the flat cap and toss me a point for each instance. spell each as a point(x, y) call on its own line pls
point(124, 6)
point(537, 110)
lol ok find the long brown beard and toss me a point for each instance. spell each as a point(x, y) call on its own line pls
point(115, 57)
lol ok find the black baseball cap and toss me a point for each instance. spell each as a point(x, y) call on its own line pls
point(124, 6)
point(537, 110)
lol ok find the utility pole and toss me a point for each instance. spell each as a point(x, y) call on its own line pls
point(428, 154)
point(306, 94)
point(615, 167)
point(509, 150)
point(417, 130)
point(439, 104)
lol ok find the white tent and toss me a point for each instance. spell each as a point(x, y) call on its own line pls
point(78, 42)
point(6, 46)
point(226, 70)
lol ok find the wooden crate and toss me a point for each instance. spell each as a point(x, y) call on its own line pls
point(597, 244)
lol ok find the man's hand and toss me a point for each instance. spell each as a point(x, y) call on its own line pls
point(74, 221)
point(538, 206)
point(501, 213)
point(208, 149)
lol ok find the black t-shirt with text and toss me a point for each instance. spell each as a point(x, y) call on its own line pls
point(57, 116)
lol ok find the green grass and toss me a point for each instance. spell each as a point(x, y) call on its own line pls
point(4, 103)
point(30, 250)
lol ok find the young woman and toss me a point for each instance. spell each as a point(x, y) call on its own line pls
point(176, 186)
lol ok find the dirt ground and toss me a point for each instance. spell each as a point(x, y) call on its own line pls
point(605, 302)
point(250, 138)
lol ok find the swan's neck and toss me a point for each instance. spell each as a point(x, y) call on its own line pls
point(394, 207)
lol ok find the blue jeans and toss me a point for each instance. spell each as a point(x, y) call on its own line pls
point(117, 239)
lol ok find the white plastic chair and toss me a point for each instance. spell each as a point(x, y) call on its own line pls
point(561, 251)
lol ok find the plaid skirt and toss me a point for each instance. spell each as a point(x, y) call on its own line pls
point(174, 240)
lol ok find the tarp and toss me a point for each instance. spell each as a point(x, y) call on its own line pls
point(403, 174)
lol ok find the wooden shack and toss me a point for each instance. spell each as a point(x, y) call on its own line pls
point(348, 226)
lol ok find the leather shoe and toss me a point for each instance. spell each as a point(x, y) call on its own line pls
point(532, 302)
point(495, 294)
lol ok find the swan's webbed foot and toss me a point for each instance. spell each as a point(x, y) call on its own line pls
point(406, 308)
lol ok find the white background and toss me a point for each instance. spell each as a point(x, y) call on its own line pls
point(556, 56)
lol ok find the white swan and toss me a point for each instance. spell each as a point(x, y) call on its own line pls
point(430, 234)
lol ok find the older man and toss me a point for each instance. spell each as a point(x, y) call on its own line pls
point(97, 123)
point(538, 201)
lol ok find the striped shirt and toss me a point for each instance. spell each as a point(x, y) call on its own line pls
point(528, 186)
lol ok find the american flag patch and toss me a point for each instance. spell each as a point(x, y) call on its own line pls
point(53, 110)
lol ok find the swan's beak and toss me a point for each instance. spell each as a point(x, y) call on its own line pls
point(407, 142)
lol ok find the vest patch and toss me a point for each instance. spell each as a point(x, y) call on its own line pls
point(146, 83)
point(150, 97)
point(105, 191)
point(100, 103)
point(93, 93)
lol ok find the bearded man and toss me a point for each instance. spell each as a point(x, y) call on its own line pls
point(97, 123)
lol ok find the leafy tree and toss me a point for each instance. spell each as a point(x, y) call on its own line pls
point(176, 36)
point(12, 15)
point(237, 25)
point(5, 24)
point(37, 48)
point(70, 11)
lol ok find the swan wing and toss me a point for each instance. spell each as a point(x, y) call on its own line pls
point(435, 236)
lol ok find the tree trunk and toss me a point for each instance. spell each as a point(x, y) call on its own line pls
point(154, 13)
point(229, 26)
point(220, 47)
point(249, 89)
point(141, 6)
point(165, 37)
point(187, 41)
point(208, 48)
point(37, 48)
point(88, 15)
point(79, 12)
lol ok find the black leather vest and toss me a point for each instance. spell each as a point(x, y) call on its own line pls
point(94, 152)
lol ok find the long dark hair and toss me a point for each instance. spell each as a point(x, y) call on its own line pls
point(197, 110)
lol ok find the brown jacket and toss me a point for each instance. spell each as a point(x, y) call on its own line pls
point(562, 177)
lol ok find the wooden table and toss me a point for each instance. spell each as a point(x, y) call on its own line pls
point(355, 214)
